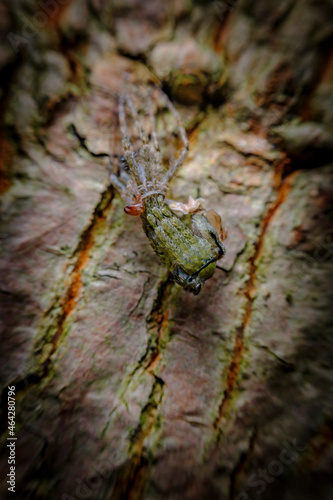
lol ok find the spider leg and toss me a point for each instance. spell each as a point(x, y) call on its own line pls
point(173, 168)
point(117, 183)
point(137, 172)
point(152, 123)
point(124, 175)
point(155, 148)
point(136, 120)
point(111, 166)
point(115, 177)
point(146, 150)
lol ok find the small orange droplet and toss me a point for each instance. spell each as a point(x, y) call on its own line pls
point(135, 209)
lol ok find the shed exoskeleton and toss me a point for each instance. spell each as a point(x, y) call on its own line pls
point(190, 251)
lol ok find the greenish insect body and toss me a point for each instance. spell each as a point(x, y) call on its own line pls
point(189, 253)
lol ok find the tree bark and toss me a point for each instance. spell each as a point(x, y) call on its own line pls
point(127, 387)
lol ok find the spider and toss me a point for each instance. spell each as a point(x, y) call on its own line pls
point(189, 252)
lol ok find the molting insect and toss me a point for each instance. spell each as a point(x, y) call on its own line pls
point(189, 250)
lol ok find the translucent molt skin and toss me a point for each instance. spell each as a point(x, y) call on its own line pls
point(190, 253)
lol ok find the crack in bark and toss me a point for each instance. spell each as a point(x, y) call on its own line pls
point(156, 321)
point(143, 294)
point(83, 144)
point(283, 362)
point(240, 465)
point(249, 293)
point(245, 153)
point(67, 302)
point(132, 478)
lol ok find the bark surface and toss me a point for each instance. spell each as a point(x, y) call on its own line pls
point(126, 386)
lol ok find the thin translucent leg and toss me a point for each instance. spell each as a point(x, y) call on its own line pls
point(173, 168)
point(152, 123)
point(124, 175)
point(114, 179)
point(120, 172)
point(137, 173)
point(116, 182)
point(143, 138)
point(112, 155)
point(136, 120)
point(157, 167)
point(111, 164)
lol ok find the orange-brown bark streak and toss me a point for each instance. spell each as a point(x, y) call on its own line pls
point(72, 294)
point(70, 298)
point(249, 292)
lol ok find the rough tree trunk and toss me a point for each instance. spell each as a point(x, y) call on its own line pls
point(126, 386)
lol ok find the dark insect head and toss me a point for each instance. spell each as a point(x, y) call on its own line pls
point(191, 283)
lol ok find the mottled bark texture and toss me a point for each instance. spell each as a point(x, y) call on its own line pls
point(126, 386)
